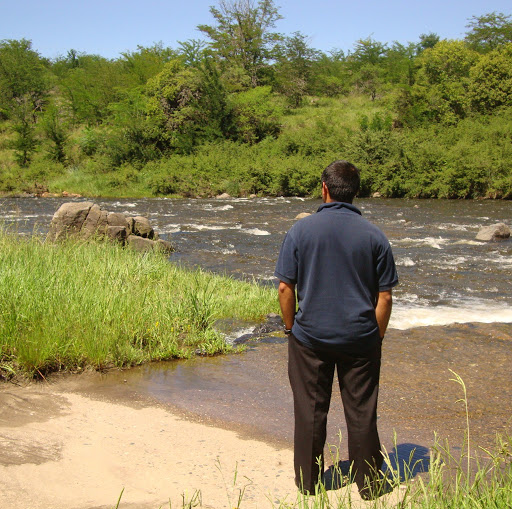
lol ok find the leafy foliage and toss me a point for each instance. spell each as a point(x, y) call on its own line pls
point(253, 111)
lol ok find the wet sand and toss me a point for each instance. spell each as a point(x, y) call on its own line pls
point(164, 429)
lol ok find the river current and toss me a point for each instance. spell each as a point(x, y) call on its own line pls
point(446, 276)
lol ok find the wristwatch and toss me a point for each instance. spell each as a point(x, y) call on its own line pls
point(287, 331)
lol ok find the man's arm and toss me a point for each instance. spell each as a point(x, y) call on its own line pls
point(383, 310)
point(287, 302)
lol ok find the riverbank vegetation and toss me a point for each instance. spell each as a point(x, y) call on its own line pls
point(247, 110)
point(89, 304)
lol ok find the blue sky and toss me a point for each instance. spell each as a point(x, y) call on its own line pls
point(109, 27)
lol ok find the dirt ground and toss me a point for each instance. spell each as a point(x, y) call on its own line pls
point(62, 451)
point(217, 429)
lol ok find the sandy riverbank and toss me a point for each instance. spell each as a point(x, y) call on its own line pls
point(162, 431)
point(62, 450)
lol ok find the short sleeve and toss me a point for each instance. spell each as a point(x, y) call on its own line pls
point(286, 267)
point(386, 269)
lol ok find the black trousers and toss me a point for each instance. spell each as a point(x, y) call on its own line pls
point(311, 375)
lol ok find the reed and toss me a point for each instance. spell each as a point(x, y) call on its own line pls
point(90, 304)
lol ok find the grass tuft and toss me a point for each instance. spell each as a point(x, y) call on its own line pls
point(91, 304)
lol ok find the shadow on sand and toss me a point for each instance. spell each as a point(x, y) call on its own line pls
point(405, 460)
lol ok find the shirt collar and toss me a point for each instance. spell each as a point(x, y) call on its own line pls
point(338, 205)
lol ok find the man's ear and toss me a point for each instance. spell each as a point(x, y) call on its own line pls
point(325, 192)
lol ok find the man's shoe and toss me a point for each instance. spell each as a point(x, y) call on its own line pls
point(376, 489)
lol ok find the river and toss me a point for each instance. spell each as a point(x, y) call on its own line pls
point(445, 275)
point(452, 311)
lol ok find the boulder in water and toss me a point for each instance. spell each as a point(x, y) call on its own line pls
point(69, 219)
point(499, 231)
point(86, 219)
point(302, 215)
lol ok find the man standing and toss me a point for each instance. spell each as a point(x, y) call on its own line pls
point(343, 270)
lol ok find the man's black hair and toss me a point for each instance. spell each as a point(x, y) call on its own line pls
point(342, 180)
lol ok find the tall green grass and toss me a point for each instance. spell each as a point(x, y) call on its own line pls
point(77, 304)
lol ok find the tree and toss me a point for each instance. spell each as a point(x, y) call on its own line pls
point(440, 91)
point(491, 80)
point(295, 59)
point(489, 31)
point(242, 34)
point(146, 62)
point(24, 87)
point(399, 63)
point(24, 77)
point(427, 41)
point(255, 117)
point(91, 86)
point(368, 51)
point(192, 51)
point(369, 80)
point(189, 104)
point(330, 75)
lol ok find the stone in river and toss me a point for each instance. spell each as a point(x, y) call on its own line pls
point(142, 228)
point(302, 215)
point(499, 231)
point(95, 222)
point(68, 219)
point(86, 219)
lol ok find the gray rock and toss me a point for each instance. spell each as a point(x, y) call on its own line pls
point(130, 221)
point(95, 223)
point(118, 233)
point(68, 219)
point(499, 231)
point(142, 228)
point(141, 244)
point(164, 246)
point(302, 215)
point(273, 323)
point(87, 220)
point(117, 219)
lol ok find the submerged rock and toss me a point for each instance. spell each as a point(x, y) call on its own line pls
point(499, 231)
point(274, 323)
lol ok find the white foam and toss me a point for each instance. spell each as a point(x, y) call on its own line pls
point(202, 227)
point(256, 231)
point(469, 243)
point(224, 207)
point(436, 243)
point(410, 316)
point(452, 226)
point(405, 262)
point(448, 262)
point(120, 204)
point(504, 261)
point(230, 338)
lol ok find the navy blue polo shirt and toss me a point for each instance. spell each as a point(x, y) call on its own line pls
point(339, 262)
